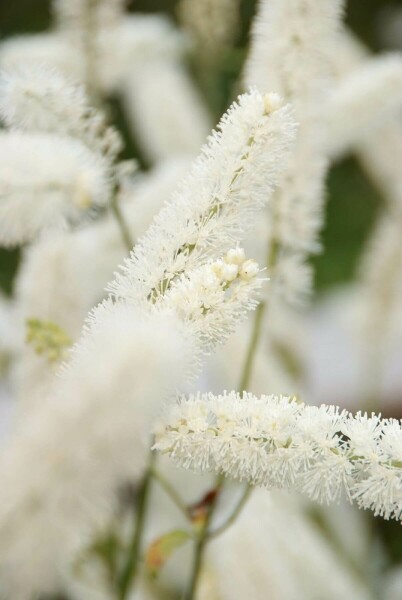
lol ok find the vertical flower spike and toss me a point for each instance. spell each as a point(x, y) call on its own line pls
point(46, 182)
point(217, 203)
point(288, 54)
point(278, 442)
point(65, 463)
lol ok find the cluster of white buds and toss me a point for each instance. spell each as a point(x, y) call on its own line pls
point(214, 297)
point(235, 266)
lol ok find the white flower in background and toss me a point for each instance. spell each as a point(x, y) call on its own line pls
point(217, 202)
point(64, 462)
point(81, 22)
point(37, 98)
point(59, 281)
point(282, 552)
point(279, 442)
point(369, 95)
point(379, 151)
point(165, 110)
point(381, 277)
point(46, 182)
point(41, 49)
point(288, 55)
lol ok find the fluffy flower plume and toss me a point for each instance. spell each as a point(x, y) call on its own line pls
point(63, 464)
point(368, 95)
point(40, 99)
point(217, 202)
point(214, 298)
point(288, 55)
point(287, 33)
point(279, 442)
point(45, 182)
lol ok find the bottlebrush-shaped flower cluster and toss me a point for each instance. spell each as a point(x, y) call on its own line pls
point(279, 442)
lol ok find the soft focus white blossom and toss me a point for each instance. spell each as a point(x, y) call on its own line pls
point(367, 96)
point(40, 99)
point(216, 203)
point(165, 110)
point(287, 54)
point(40, 49)
point(59, 280)
point(64, 463)
point(282, 554)
point(45, 182)
point(279, 442)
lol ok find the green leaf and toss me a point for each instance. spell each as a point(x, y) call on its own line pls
point(161, 549)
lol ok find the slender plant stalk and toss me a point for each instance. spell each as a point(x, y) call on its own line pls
point(252, 347)
point(233, 516)
point(121, 222)
point(202, 540)
point(130, 568)
point(171, 492)
point(247, 372)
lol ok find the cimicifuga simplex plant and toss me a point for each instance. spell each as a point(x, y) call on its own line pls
point(106, 373)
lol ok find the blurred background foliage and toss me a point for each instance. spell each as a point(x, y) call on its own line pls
point(352, 202)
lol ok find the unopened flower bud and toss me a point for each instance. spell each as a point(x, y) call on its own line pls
point(249, 270)
point(235, 256)
point(229, 272)
point(272, 102)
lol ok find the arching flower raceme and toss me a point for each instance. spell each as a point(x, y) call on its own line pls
point(217, 202)
point(277, 442)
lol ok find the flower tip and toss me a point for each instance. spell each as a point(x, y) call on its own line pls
point(272, 102)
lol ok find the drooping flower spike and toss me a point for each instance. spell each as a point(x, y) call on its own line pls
point(279, 442)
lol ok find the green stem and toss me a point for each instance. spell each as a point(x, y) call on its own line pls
point(202, 540)
point(171, 492)
point(121, 222)
point(252, 347)
point(246, 375)
point(236, 512)
point(130, 568)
